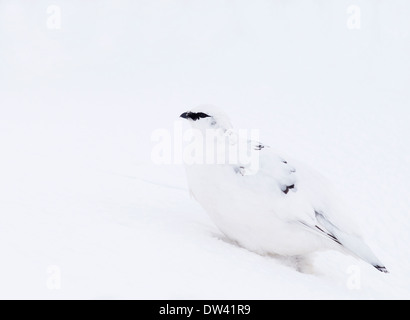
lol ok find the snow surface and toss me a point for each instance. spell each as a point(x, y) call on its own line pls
point(79, 191)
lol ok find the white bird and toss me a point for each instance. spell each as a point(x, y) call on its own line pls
point(282, 209)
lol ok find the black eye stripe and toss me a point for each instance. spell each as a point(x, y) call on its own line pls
point(199, 115)
point(202, 115)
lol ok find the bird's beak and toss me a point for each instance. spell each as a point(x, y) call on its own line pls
point(185, 115)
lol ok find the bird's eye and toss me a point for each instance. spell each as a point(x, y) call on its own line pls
point(202, 115)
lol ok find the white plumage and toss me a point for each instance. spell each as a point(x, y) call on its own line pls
point(284, 208)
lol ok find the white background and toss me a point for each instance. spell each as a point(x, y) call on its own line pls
point(78, 105)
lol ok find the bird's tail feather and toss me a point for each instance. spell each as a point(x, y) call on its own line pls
point(353, 244)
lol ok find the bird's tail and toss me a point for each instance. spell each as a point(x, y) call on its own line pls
point(357, 247)
point(353, 244)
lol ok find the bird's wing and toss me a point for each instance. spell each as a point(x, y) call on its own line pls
point(281, 172)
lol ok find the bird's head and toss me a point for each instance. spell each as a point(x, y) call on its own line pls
point(207, 117)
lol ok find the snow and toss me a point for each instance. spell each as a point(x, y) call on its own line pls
point(79, 190)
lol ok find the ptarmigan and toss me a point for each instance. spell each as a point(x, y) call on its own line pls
point(283, 208)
